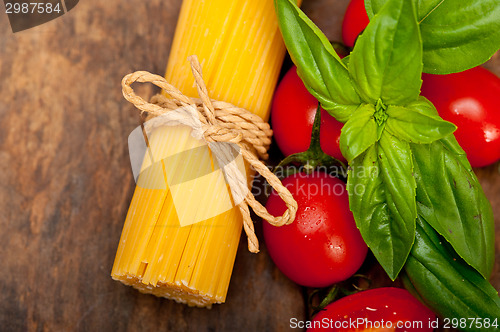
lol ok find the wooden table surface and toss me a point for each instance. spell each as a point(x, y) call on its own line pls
point(66, 181)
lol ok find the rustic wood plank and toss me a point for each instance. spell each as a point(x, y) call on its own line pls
point(66, 181)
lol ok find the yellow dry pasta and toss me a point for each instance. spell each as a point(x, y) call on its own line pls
point(241, 51)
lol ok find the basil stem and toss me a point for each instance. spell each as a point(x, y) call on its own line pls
point(403, 157)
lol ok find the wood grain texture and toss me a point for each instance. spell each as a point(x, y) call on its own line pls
point(66, 182)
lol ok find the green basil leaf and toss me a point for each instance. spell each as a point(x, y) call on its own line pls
point(456, 35)
point(445, 283)
point(417, 122)
point(359, 133)
point(382, 198)
point(373, 6)
point(452, 201)
point(386, 62)
point(318, 65)
point(340, 112)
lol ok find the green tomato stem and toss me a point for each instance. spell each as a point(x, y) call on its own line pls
point(314, 155)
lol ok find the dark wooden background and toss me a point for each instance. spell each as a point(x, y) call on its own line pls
point(66, 183)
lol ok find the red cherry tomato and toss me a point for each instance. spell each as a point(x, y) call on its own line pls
point(322, 246)
point(380, 309)
point(293, 112)
point(355, 21)
point(470, 100)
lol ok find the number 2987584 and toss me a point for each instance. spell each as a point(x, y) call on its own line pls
point(32, 8)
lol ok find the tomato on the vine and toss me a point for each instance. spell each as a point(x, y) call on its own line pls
point(322, 246)
point(470, 100)
point(380, 309)
point(292, 117)
point(355, 21)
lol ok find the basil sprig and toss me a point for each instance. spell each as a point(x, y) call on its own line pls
point(403, 159)
point(457, 34)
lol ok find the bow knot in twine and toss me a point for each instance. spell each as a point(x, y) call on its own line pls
point(227, 129)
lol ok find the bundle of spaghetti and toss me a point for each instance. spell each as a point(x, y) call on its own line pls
point(241, 52)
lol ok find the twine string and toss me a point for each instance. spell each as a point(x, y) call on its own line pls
point(221, 122)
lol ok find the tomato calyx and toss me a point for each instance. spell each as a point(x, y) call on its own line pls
point(314, 156)
point(337, 291)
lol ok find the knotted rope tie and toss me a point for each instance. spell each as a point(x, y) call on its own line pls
point(220, 122)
